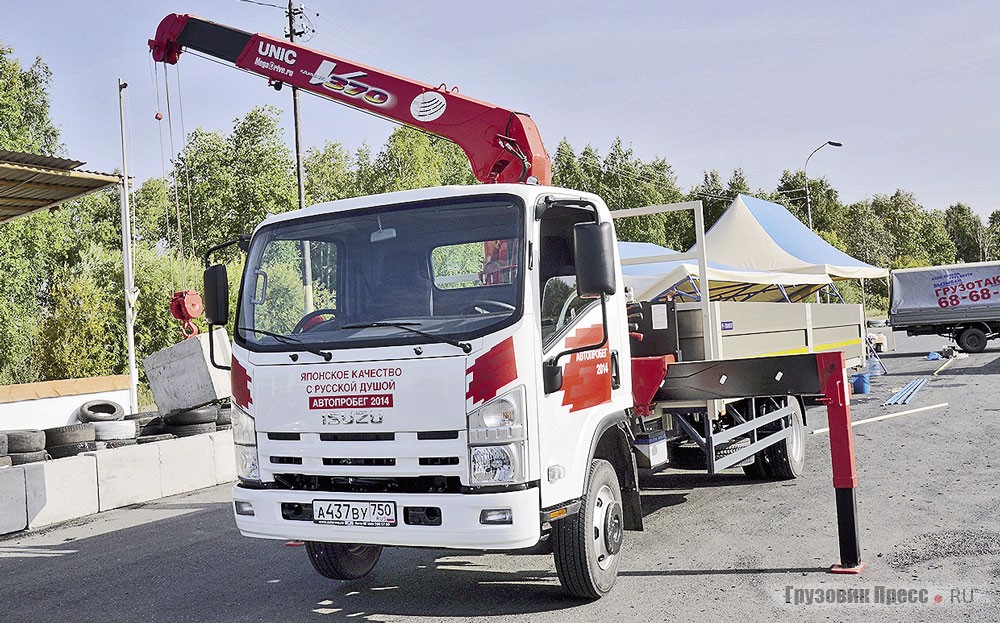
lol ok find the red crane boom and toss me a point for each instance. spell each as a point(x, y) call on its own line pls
point(502, 145)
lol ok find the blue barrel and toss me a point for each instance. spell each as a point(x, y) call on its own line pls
point(861, 383)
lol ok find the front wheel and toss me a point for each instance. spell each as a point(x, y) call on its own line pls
point(342, 561)
point(586, 545)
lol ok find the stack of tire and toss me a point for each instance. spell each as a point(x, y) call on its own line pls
point(64, 441)
point(192, 422)
point(111, 429)
point(18, 447)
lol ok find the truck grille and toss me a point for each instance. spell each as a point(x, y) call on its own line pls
point(343, 484)
point(405, 459)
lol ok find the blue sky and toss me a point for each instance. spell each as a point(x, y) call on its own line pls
point(910, 88)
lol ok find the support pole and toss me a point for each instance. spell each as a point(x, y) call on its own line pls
point(307, 293)
point(131, 294)
point(833, 382)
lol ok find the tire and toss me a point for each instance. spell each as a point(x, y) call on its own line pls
point(3, 444)
point(123, 429)
point(152, 438)
point(759, 469)
point(190, 430)
point(65, 435)
point(21, 441)
point(786, 459)
point(71, 449)
point(146, 420)
point(587, 544)
point(22, 458)
point(115, 443)
point(5, 461)
point(342, 561)
point(201, 415)
point(225, 415)
point(972, 340)
point(153, 427)
point(101, 411)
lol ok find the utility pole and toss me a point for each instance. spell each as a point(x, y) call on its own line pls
point(131, 294)
point(307, 294)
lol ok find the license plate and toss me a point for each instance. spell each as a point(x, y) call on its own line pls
point(355, 513)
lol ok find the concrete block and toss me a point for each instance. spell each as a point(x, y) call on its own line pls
point(60, 490)
point(128, 475)
point(182, 377)
point(225, 456)
point(187, 464)
point(13, 500)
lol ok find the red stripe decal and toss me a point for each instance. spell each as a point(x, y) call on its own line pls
point(240, 384)
point(491, 371)
point(587, 376)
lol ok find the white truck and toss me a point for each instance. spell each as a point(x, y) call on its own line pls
point(465, 375)
point(958, 301)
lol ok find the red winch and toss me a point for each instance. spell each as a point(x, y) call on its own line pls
point(186, 306)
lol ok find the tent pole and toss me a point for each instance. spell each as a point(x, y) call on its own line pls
point(706, 310)
point(130, 292)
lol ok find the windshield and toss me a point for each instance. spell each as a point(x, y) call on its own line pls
point(405, 274)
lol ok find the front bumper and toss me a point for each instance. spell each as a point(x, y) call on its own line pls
point(460, 526)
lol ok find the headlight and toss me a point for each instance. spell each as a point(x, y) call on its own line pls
point(244, 428)
point(247, 466)
point(493, 465)
point(502, 412)
point(245, 440)
point(501, 419)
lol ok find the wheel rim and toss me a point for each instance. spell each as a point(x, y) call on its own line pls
point(608, 528)
point(795, 439)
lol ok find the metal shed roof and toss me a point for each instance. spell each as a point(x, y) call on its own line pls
point(29, 182)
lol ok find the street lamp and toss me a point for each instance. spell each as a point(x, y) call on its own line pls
point(808, 202)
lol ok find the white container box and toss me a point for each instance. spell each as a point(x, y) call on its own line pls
point(652, 449)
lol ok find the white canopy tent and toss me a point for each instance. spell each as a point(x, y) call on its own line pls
point(680, 279)
point(760, 235)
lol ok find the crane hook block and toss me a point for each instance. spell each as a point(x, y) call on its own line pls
point(186, 306)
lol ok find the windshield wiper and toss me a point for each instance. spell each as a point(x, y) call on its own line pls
point(290, 339)
point(408, 326)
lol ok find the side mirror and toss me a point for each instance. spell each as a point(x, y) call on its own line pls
point(217, 294)
point(593, 246)
point(552, 376)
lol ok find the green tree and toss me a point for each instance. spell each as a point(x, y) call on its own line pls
point(991, 237)
point(328, 173)
point(827, 212)
point(566, 169)
point(25, 124)
point(407, 161)
point(714, 198)
point(228, 184)
point(965, 229)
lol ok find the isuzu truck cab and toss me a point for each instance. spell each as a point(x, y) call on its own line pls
point(410, 406)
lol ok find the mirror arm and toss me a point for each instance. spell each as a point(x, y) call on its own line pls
point(211, 349)
point(242, 241)
point(604, 340)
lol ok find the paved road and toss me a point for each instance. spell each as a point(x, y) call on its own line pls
point(715, 548)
